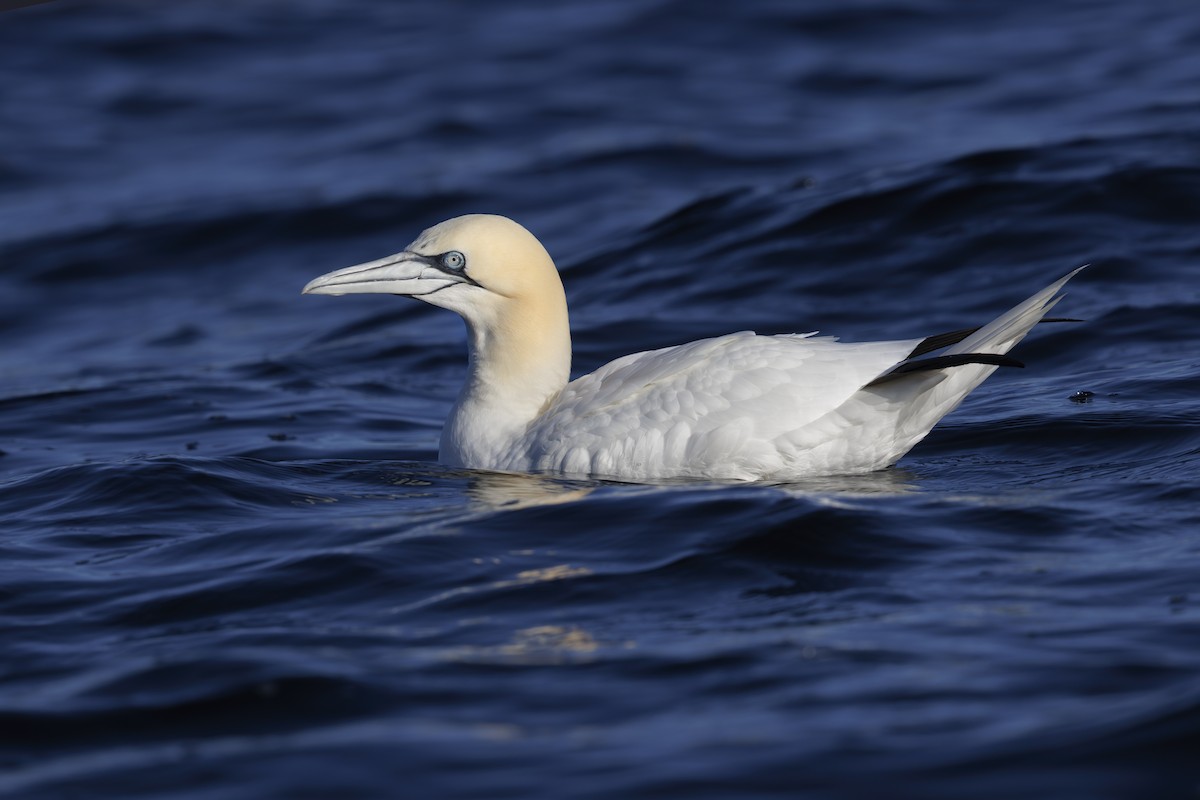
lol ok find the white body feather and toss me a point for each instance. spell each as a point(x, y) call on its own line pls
point(736, 407)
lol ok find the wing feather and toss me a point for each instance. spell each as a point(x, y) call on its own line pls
point(714, 405)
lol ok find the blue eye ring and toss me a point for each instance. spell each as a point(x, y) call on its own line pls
point(453, 260)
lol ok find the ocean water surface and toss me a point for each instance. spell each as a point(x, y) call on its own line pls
point(231, 567)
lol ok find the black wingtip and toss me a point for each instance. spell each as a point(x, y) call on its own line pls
point(945, 362)
point(940, 340)
point(956, 360)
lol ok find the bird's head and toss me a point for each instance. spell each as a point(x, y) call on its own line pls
point(478, 265)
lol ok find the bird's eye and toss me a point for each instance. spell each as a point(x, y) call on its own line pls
point(454, 260)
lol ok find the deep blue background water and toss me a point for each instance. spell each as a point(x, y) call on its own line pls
point(230, 566)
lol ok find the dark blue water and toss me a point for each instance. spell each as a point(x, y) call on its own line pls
point(230, 566)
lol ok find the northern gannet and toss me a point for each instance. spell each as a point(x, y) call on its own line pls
point(736, 407)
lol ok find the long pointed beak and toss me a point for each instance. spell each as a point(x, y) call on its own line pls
point(403, 273)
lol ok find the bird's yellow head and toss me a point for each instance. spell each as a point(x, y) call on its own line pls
point(472, 264)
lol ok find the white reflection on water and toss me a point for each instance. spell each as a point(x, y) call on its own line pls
point(502, 490)
point(507, 490)
point(541, 645)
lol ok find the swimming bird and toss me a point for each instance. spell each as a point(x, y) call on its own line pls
point(734, 407)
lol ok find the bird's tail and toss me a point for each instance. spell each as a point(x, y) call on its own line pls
point(999, 335)
point(897, 410)
point(985, 345)
point(926, 397)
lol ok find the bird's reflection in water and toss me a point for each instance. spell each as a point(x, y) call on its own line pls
point(555, 644)
point(884, 483)
point(891, 482)
point(510, 490)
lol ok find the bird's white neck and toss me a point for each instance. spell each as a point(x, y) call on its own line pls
point(520, 359)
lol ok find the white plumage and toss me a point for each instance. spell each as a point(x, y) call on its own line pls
point(739, 407)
